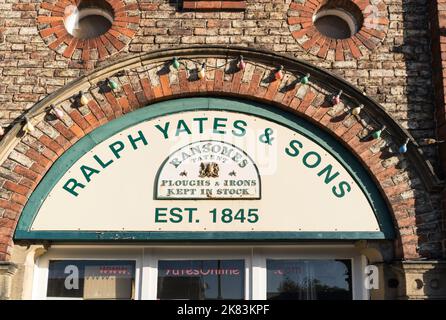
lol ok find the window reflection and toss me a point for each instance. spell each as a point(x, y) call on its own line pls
point(201, 279)
point(309, 279)
point(91, 279)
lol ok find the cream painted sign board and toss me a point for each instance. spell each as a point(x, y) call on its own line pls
point(146, 178)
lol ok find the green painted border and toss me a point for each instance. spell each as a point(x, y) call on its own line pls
point(197, 236)
point(330, 144)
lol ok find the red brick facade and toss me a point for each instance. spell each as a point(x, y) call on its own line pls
point(387, 60)
point(214, 5)
point(141, 86)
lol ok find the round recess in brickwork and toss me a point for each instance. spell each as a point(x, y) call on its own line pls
point(88, 29)
point(90, 19)
point(338, 22)
point(338, 30)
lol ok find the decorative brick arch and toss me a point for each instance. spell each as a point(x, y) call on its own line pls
point(371, 15)
point(150, 78)
point(52, 29)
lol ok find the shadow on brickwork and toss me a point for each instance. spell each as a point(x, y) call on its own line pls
point(419, 91)
point(416, 51)
point(177, 4)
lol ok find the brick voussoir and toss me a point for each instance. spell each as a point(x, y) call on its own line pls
point(302, 13)
point(119, 36)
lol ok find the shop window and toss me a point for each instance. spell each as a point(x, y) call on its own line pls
point(309, 280)
point(90, 19)
point(91, 279)
point(213, 273)
point(201, 279)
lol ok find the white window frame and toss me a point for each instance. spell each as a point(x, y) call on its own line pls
point(306, 253)
point(41, 269)
point(152, 256)
point(146, 263)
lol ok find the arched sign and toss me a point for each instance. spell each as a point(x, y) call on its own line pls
point(206, 168)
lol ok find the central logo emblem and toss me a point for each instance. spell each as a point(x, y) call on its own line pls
point(208, 170)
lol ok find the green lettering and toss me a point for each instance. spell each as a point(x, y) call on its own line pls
point(328, 177)
point(182, 127)
point(218, 124)
point(344, 187)
point(88, 172)
point(293, 151)
point(140, 137)
point(164, 130)
point(191, 212)
point(117, 147)
point(306, 160)
point(71, 186)
point(200, 123)
point(159, 214)
point(239, 125)
point(176, 213)
point(101, 163)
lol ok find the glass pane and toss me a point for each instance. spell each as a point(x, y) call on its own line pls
point(90, 279)
point(309, 279)
point(201, 279)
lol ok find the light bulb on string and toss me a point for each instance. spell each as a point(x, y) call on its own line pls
point(57, 112)
point(28, 127)
point(377, 133)
point(112, 84)
point(432, 141)
point(83, 100)
point(357, 110)
point(337, 99)
point(305, 79)
point(176, 63)
point(241, 65)
point(120, 73)
point(403, 148)
point(278, 74)
point(202, 72)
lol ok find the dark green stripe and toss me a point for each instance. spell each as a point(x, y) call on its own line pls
point(184, 236)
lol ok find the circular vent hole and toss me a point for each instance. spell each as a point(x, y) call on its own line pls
point(90, 19)
point(338, 22)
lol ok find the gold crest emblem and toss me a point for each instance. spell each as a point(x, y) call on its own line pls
point(209, 170)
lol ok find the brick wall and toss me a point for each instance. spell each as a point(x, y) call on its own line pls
point(391, 73)
point(414, 211)
point(214, 5)
point(397, 72)
point(438, 23)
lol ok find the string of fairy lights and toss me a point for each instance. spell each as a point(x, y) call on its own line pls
point(201, 69)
